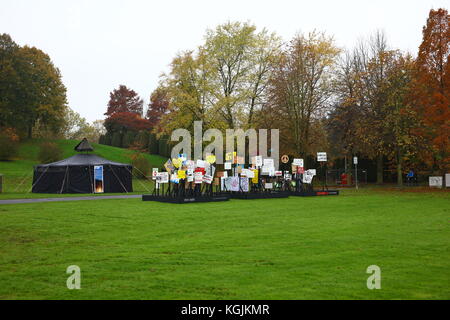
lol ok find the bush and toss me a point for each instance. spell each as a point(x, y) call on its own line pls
point(164, 147)
point(9, 144)
point(116, 140)
point(49, 152)
point(107, 139)
point(153, 144)
point(141, 140)
point(128, 139)
point(141, 165)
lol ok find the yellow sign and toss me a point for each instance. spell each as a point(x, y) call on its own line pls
point(181, 174)
point(176, 162)
point(255, 177)
point(229, 156)
point(211, 158)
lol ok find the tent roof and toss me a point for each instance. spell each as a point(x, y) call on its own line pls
point(83, 160)
point(84, 145)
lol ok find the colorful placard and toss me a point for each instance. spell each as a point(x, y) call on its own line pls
point(255, 176)
point(154, 173)
point(198, 177)
point(169, 166)
point(211, 158)
point(298, 162)
point(162, 177)
point(181, 174)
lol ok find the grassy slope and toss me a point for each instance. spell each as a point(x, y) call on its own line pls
point(295, 248)
point(18, 174)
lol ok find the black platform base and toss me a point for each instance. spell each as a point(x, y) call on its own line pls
point(150, 197)
point(259, 195)
point(315, 193)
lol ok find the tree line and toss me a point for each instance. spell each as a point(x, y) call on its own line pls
point(33, 101)
point(373, 100)
point(128, 127)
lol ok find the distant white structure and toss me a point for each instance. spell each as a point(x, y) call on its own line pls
point(435, 182)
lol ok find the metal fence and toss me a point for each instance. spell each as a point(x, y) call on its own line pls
point(339, 176)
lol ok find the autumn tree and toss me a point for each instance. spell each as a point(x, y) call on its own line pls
point(158, 106)
point(300, 87)
point(124, 99)
point(9, 80)
point(223, 82)
point(124, 117)
point(372, 116)
point(240, 58)
point(343, 122)
point(189, 91)
point(31, 88)
point(361, 88)
point(430, 93)
point(76, 127)
point(399, 120)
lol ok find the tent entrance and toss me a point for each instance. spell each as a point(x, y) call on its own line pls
point(98, 179)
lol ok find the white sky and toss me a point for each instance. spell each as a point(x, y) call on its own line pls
point(99, 44)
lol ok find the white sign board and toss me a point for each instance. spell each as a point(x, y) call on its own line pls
point(247, 173)
point(162, 177)
point(227, 165)
point(447, 180)
point(268, 162)
point(268, 171)
point(207, 179)
point(202, 164)
point(321, 156)
point(309, 175)
point(355, 160)
point(198, 177)
point(298, 162)
point(190, 164)
point(435, 182)
point(154, 173)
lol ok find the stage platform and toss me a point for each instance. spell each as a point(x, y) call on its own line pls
point(259, 195)
point(315, 193)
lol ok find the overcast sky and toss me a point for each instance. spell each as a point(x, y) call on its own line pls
point(98, 45)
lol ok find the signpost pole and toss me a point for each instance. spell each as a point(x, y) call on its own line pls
point(355, 161)
point(323, 177)
point(322, 157)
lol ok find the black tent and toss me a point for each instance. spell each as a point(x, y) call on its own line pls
point(76, 175)
point(84, 145)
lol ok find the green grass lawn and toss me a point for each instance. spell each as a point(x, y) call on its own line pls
point(294, 248)
point(18, 174)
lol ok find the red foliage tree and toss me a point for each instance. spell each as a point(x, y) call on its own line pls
point(128, 121)
point(158, 106)
point(124, 100)
point(430, 93)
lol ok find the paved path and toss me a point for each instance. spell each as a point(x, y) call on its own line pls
point(15, 201)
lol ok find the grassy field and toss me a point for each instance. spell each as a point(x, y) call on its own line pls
point(295, 248)
point(18, 174)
